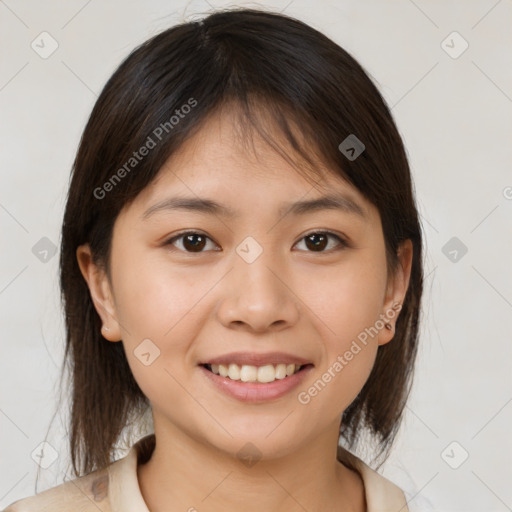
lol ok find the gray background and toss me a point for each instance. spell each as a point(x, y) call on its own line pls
point(454, 113)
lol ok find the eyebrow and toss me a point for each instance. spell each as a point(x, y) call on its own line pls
point(211, 207)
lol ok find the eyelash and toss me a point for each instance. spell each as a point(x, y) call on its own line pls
point(342, 242)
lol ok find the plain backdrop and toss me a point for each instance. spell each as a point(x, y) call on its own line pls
point(453, 107)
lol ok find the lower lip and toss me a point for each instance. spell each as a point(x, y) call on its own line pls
point(257, 391)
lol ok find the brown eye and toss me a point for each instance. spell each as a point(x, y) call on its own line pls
point(318, 241)
point(191, 241)
point(194, 242)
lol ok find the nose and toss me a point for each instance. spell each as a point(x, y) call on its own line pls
point(257, 298)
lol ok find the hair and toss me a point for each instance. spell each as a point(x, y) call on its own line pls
point(278, 72)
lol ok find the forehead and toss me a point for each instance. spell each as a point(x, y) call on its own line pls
point(223, 160)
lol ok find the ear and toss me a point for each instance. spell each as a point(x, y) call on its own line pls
point(101, 293)
point(398, 284)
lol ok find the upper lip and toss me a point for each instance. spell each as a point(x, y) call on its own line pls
point(254, 359)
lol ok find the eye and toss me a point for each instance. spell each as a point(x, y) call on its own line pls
point(317, 241)
point(195, 242)
point(192, 241)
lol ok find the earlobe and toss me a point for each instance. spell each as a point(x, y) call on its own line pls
point(398, 285)
point(101, 293)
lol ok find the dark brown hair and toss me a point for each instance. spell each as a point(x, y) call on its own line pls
point(278, 72)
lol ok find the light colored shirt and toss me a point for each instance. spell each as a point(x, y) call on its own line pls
point(116, 488)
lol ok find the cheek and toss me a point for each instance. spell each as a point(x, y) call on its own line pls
point(350, 345)
point(153, 300)
point(347, 305)
point(348, 299)
point(159, 316)
point(337, 384)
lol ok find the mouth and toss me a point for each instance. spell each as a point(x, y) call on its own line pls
point(264, 374)
point(255, 384)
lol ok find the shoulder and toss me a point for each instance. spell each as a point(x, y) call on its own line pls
point(112, 488)
point(382, 495)
point(83, 494)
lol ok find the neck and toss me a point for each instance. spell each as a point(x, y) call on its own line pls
point(184, 474)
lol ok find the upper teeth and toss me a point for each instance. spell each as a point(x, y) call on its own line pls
point(248, 373)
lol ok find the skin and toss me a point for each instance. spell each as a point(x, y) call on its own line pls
point(198, 305)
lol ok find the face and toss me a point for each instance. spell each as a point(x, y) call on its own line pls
point(252, 282)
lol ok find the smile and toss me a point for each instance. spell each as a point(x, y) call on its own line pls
point(273, 384)
point(249, 373)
